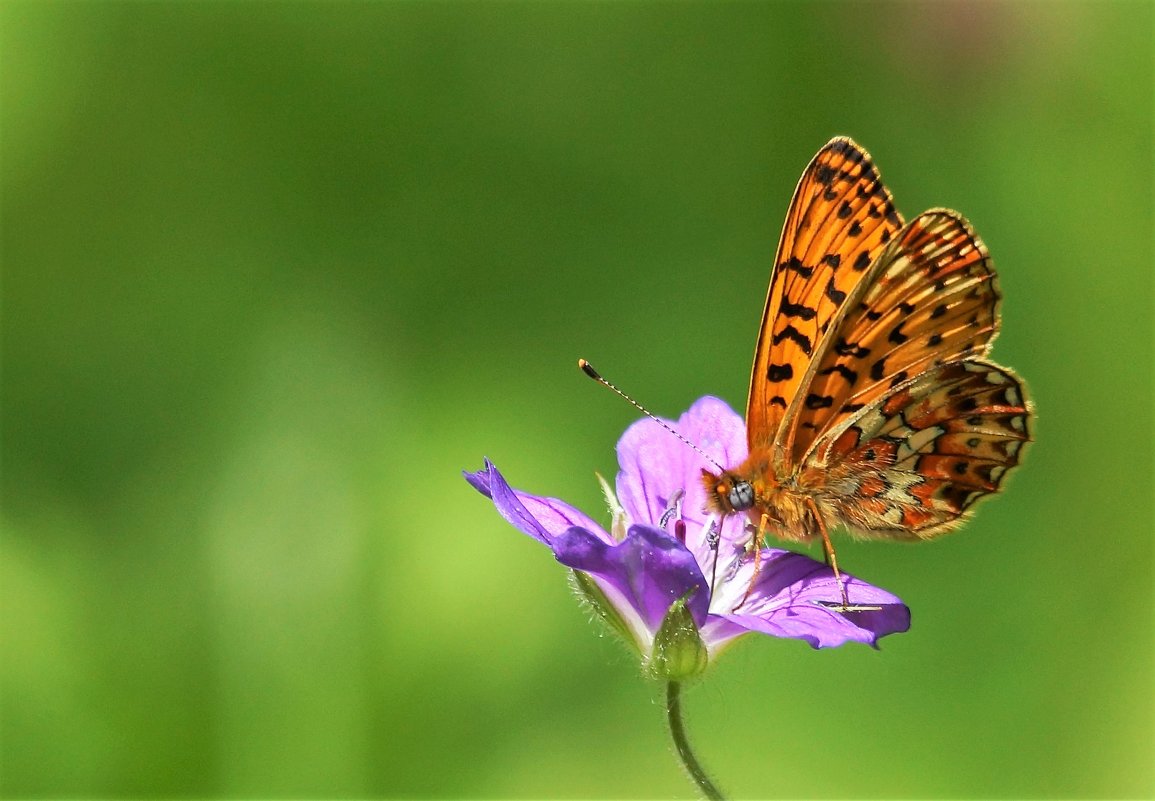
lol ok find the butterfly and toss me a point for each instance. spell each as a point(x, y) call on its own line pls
point(873, 404)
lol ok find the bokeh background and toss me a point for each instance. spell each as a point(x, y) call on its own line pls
point(274, 273)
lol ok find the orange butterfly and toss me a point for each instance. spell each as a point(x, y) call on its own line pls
point(872, 402)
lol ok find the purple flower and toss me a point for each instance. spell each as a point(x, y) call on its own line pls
point(674, 578)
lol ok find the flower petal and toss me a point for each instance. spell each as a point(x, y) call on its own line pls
point(793, 595)
point(649, 570)
point(655, 466)
point(539, 517)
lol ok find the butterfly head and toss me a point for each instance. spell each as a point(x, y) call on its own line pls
point(727, 492)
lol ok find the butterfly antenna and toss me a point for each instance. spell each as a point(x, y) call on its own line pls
point(589, 370)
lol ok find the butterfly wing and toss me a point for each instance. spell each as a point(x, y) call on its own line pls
point(840, 219)
point(910, 464)
point(930, 298)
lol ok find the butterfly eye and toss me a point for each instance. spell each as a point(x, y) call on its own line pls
point(741, 495)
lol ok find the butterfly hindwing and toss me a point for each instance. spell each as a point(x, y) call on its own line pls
point(911, 463)
point(840, 219)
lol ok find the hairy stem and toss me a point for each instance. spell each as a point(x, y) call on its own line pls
point(678, 731)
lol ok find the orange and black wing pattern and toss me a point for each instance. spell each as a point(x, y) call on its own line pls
point(904, 422)
point(912, 463)
point(930, 298)
point(840, 219)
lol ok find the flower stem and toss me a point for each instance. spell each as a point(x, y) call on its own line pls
point(678, 730)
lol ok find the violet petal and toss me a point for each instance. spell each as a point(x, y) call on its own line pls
point(792, 596)
point(649, 568)
point(655, 465)
point(540, 517)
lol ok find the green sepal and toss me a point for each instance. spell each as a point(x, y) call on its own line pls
point(617, 513)
point(595, 600)
point(679, 653)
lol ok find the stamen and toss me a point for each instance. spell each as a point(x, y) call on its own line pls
point(673, 509)
point(713, 537)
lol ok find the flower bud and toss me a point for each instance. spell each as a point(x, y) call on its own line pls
point(679, 653)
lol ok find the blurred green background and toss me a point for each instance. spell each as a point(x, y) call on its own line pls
point(273, 274)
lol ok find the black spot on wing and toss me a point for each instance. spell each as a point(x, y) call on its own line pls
point(793, 263)
point(1006, 397)
point(832, 292)
point(842, 147)
point(844, 348)
point(795, 336)
point(843, 371)
point(986, 472)
point(799, 310)
point(959, 496)
point(779, 372)
point(818, 401)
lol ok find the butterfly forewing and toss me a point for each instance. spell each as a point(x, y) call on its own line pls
point(839, 220)
point(930, 298)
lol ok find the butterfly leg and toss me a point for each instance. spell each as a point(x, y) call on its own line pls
point(828, 548)
point(756, 544)
point(832, 560)
point(713, 539)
